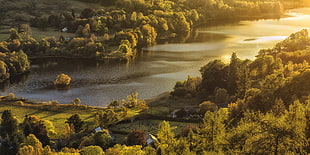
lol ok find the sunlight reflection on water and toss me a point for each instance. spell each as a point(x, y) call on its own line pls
point(264, 39)
point(157, 68)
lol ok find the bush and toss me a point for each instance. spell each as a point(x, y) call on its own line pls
point(207, 106)
point(62, 81)
point(136, 137)
point(91, 150)
point(20, 103)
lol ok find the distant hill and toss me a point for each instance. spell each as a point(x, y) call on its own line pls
point(16, 12)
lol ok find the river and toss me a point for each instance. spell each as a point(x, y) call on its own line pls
point(157, 68)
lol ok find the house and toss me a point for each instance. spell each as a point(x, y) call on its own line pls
point(99, 128)
point(64, 29)
point(150, 138)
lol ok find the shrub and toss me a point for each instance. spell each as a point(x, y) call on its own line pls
point(136, 137)
point(62, 81)
point(207, 106)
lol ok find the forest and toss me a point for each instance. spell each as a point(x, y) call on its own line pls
point(259, 106)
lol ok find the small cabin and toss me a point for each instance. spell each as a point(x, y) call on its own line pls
point(99, 128)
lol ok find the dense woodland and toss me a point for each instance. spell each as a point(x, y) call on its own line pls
point(259, 106)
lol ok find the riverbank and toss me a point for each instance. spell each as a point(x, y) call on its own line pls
point(160, 109)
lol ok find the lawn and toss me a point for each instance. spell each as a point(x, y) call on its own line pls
point(22, 12)
point(148, 126)
point(163, 105)
point(36, 33)
point(56, 113)
point(57, 118)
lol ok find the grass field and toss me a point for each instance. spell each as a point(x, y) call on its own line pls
point(37, 34)
point(56, 113)
point(57, 118)
point(163, 105)
point(18, 12)
point(148, 126)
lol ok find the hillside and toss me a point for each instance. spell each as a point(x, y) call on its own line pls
point(259, 106)
point(18, 11)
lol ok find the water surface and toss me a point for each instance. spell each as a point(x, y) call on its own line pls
point(157, 68)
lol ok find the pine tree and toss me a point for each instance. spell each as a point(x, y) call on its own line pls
point(165, 134)
point(213, 131)
point(166, 138)
point(76, 122)
point(8, 125)
point(34, 125)
point(214, 75)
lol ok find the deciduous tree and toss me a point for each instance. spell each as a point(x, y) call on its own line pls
point(136, 137)
point(76, 123)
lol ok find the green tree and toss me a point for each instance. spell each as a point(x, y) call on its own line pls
point(278, 108)
point(102, 138)
point(125, 48)
point(296, 41)
point(62, 81)
point(34, 125)
point(92, 150)
point(86, 31)
point(280, 135)
point(8, 126)
point(133, 18)
point(32, 140)
point(50, 128)
point(9, 133)
point(259, 133)
point(76, 123)
point(32, 146)
point(27, 150)
point(104, 118)
point(114, 104)
point(181, 25)
point(182, 146)
point(165, 134)
point(238, 80)
point(245, 128)
point(24, 29)
point(47, 150)
point(76, 101)
point(125, 150)
point(233, 74)
point(214, 75)
point(207, 106)
point(254, 100)
point(297, 88)
point(23, 61)
point(14, 34)
point(166, 138)
point(221, 96)
point(244, 82)
point(132, 101)
point(213, 131)
point(149, 150)
point(149, 34)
